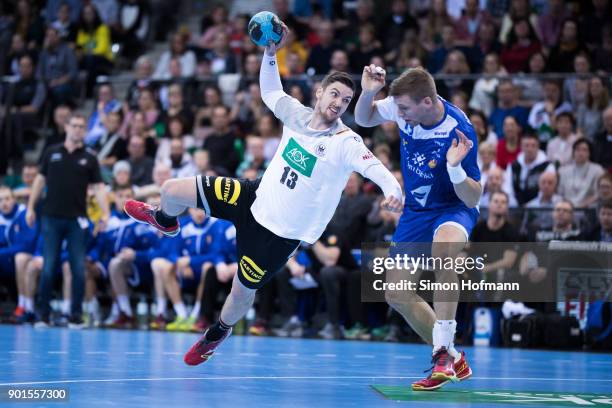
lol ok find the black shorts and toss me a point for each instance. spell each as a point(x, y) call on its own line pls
point(261, 253)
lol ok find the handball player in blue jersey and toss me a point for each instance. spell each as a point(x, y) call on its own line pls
point(442, 187)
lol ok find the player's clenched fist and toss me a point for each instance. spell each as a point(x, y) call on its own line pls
point(373, 78)
point(392, 204)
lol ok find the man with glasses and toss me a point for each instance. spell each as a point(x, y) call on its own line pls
point(66, 170)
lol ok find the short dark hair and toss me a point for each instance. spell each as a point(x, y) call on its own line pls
point(569, 116)
point(120, 187)
point(338, 76)
point(585, 142)
point(502, 193)
point(416, 83)
point(606, 204)
point(530, 135)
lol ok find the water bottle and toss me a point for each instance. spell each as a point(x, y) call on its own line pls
point(483, 327)
point(142, 314)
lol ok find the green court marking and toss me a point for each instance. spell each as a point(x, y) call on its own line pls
point(558, 399)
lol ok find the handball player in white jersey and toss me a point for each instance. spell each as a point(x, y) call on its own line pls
point(292, 202)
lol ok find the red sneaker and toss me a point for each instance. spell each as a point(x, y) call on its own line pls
point(159, 323)
point(260, 328)
point(19, 311)
point(145, 213)
point(123, 321)
point(443, 366)
point(203, 349)
point(462, 369)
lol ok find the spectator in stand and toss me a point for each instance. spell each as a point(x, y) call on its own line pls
point(17, 49)
point(143, 76)
point(201, 161)
point(147, 106)
point(469, 22)
point(268, 128)
point(177, 108)
point(486, 160)
point(180, 160)
point(531, 89)
point(320, 55)
point(562, 228)
point(29, 24)
point(105, 104)
point(594, 21)
point(293, 49)
point(509, 146)
point(368, 46)
point(522, 43)
point(111, 146)
point(254, 157)
point(559, 149)
point(590, 114)
point(351, 215)
point(66, 27)
point(507, 105)
point(93, 46)
point(28, 98)
point(576, 87)
point(178, 49)
point(218, 23)
point(161, 173)
point(203, 119)
point(248, 108)
point(57, 133)
point(567, 47)
point(486, 40)
point(602, 56)
point(542, 115)
point(549, 23)
point(141, 164)
point(495, 183)
point(603, 141)
point(483, 133)
point(455, 64)
point(432, 24)
point(134, 24)
point(519, 10)
point(221, 143)
point(393, 28)
point(221, 58)
point(250, 71)
point(174, 131)
point(437, 57)
point(407, 53)
point(603, 231)
point(578, 181)
point(540, 214)
point(57, 67)
point(122, 173)
point(523, 174)
point(483, 96)
point(604, 189)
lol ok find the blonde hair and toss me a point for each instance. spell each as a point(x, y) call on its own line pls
point(416, 83)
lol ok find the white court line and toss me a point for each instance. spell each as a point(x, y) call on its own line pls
point(557, 360)
point(19, 352)
point(249, 354)
point(111, 380)
point(404, 357)
point(326, 355)
point(57, 352)
point(602, 362)
point(287, 354)
point(135, 352)
point(96, 352)
point(172, 353)
point(364, 356)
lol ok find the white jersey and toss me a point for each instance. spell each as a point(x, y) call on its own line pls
point(301, 188)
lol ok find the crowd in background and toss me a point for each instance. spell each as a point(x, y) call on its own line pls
point(532, 76)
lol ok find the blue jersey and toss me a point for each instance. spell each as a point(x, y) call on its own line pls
point(123, 232)
point(423, 157)
point(200, 242)
point(15, 234)
point(227, 240)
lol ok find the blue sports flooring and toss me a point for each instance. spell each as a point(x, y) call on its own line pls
point(145, 369)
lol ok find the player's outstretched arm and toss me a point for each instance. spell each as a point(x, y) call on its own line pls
point(467, 189)
point(379, 174)
point(372, 81)
point(269, 77)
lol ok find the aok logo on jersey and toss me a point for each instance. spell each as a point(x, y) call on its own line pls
point(298, 158)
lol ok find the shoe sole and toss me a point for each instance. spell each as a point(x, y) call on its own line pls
point(444, 377)
point(420, 388)
point(169, 234)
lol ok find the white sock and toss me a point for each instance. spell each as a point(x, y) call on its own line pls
point(94, 306)
point(66, 306)
point(444, 334)
point(124, 304)
point(115, 309)
point(162, 305)
point(21, 302)
point(28, 304)
point(180, 310)
point(195, 312)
